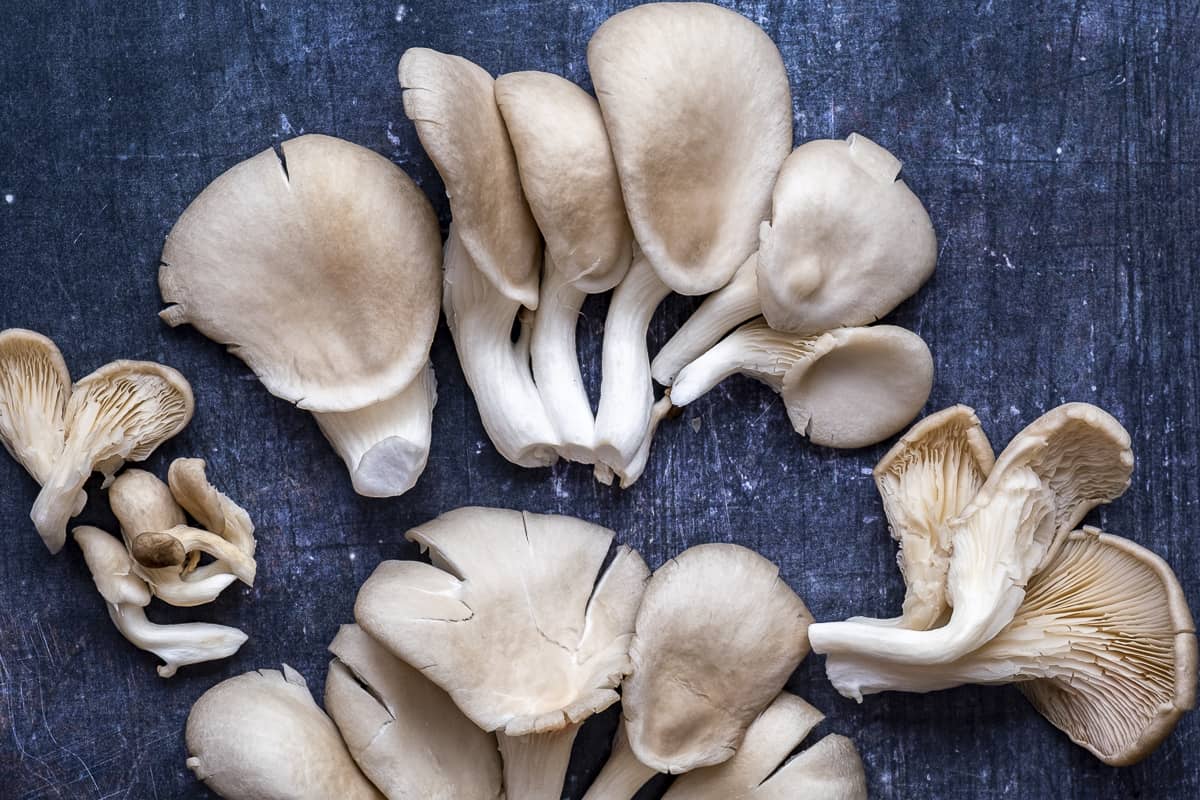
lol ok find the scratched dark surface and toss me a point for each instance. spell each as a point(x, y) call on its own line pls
point(1053, 143)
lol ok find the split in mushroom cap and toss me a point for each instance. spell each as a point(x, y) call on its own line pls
point(829, 769)
point(1103, 645)
point(260, 736)
point(847, 242)
point(34, 387)
point(515, 621)
point(452, 102)
point(321, 272)
point(406, 734)
point(698, 110)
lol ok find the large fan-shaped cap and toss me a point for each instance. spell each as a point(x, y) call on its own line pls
point(322, 272)
point(34, 387)
point(698, 109)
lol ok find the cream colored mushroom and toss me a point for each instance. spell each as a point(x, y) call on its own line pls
point(406, 734)
point(34, 387)
point(216, 513)
point(126, 597)
point(320, 269)
point(260, 736)
point(171, 547)
point(516, 623)
point(717, 635)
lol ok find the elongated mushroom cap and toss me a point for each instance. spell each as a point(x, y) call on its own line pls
point(847, 240)
point(34, 387)
point(570, 180)
point(216, 513)
point(452, 102)
point(321, 271)
point(111, 569)
point(717, 635)
point(260, 736)
point(513, 619)
point(406, 734)
point(698, 109)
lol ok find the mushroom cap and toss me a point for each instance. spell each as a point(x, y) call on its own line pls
point(321, 271)
point(514, 618)
point(34, 387)
point(717, 635)
point(847, 240)
point(260, 735)
point(859, 386)
point(141, 502)
point(699, 113)
point(406, 734)
point(1116, 642)
point(570, 180)
point(452, 102)
point(216, 513)
point(111, 567)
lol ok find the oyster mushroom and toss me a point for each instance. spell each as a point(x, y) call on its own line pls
point(515, 621)
point(170, 548)
point(34, 387)
point(216, 513)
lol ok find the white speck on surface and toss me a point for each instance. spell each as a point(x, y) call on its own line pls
point(392, 138)
point(1008, 261)
point(285, 124)
point(838, 45)
point(1016, 412)
point(1058, 151)
point(1093, 387)
point(352, 555)
point(401, 12)
point(10, 198)
point(865, 471)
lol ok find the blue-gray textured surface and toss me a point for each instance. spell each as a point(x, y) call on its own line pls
point(1053, 143)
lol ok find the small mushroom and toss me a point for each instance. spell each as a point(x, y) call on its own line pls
point(170, 548)
point(406, 734)
point(260, 736)
point(34, 387)
point(216, 513)
point(126, 596)
point(850, 387)
point(717, 636)
point(515, 621)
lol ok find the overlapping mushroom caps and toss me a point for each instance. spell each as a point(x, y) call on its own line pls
point(1099, 637)
point(320, 268)
point(515, 621)
point(62, 433)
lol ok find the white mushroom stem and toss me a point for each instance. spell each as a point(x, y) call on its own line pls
point(556, 364)
point(622, 775)
point(626, 389)
point(386, 444)
point(721, 312)
point(754, 349)
point(634, 469)
point(186, 539)
point(535, 765)
point(497, 369)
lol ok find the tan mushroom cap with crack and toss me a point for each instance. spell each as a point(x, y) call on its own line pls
point(452, 102)
point(34, 387)
point(322, 272)
point(569, 177)
point(698, 110)
point(717, 636)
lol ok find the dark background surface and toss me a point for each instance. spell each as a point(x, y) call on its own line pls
point(1054, 145)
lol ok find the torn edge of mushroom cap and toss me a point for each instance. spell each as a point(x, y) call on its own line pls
point(925, 480)
point(568, 176)
point(34, 387)
point(404, 732)
point(452, 102)
point(847, 241)
point(121, 412)
point(698, 110)
point(386, 444)
point(717, 635)
point(1130, 670)
point(534, 583)
point(761, 768)
point(212, 508)
point(269, 256)
point(260, 735)
point(860, 386)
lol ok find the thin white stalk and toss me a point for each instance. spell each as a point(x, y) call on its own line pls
point(754, 349)
point(535, 765)
point(634, 469)
point(386, 444)
point(622, 775)
point(177, 645)
point(497, 370)
point(626, 389)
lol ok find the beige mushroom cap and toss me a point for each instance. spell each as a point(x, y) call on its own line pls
point(698, 109)
point(847, 241)
point(569, 178)
point(109, 563)
point(322, 272)
point(452, 102)
point(34, 387)
point(717, 636)
point(216, 513)
point(260, 736)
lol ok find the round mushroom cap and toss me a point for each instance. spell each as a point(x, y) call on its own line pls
point(452, 102)
point(34, 387)
point(699, 113)
point(717, 636)
point(847, 241)
point(859, 386)
point(320, 268)
point(569, 177)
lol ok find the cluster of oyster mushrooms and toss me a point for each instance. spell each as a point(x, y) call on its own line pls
point(469, 678)
point(63, 432)
point(320, 265)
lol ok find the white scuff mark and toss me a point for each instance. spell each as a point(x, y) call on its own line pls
point(401, 12)
point(865, 471)
point(10, 199)
point(1058, 151)
point(1016, 412)
point(1008, 261)
point(392, 138)
point(285, 124)
point(838, 45)
point(352, 555)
